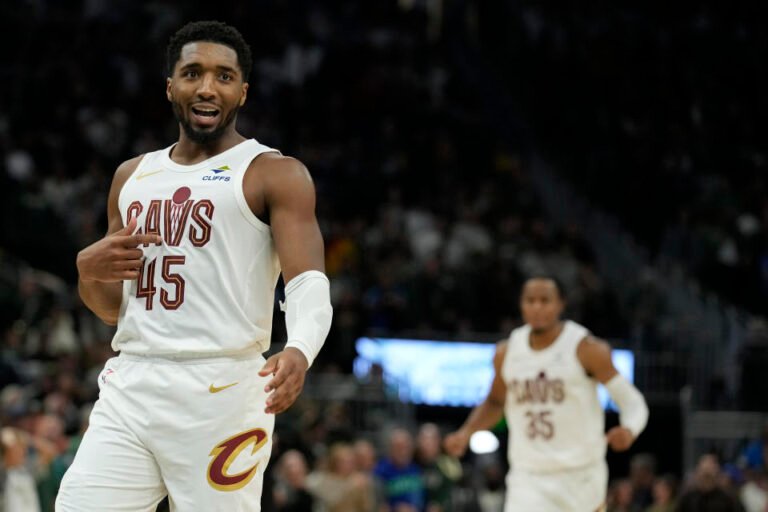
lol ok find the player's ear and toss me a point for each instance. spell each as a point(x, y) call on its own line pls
point(245, 94)
point(168, 94)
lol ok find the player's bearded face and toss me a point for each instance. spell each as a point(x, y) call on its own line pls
point(206, 90)
point(200, 135)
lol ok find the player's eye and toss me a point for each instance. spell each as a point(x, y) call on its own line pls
point(226, 77)
point(190, 73)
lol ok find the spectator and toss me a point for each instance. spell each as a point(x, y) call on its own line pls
point(19, 492)
point(340, 487)
point(365, 456)
point(620, 496)
point(400, 478)
point(290, 493)
point(642, 474)
point(440, 471)
point(754, 455)
point(754, 493)
point(664, 495)
point(491, 493)
point(706, 494)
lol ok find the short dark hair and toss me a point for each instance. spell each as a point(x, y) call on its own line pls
point(548, 277)
point(213, 32)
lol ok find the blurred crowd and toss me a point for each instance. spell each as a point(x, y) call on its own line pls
point(429, 215)
point(402, 470)
point(655, 113)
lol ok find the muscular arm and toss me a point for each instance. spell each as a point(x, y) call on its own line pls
point(485, 415)
point(595, 357)
point(289, 195)
point(103, 265)
point(289, 199)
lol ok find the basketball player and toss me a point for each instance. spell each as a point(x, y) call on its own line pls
point(546, 385)
point(198, 235)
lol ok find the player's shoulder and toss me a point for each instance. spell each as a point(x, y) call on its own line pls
point(126, 168)
point(124, 171)
point(591, 347)
point(501, 351)
point(273, 163)
point(594, 343)
point(281, 173)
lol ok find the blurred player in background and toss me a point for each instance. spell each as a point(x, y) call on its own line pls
point(545, 383)
point(198, 235)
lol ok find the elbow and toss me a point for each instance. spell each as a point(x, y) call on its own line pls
point(109, 317)
point(494, 403)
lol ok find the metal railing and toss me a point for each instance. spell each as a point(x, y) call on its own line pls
point(700, 325)
point(725, 432)
point(370, 407)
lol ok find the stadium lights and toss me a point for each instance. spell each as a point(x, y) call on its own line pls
point(482, 442)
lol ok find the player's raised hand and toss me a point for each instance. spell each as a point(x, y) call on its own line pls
point(619, 439)
point(455, 443)
point(116, 257)
point(289, 368)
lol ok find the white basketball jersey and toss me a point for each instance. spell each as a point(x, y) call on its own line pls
point(554, 416)
point(209, 288)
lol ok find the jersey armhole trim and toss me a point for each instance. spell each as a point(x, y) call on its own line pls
point(142, 163)
point(245, 210)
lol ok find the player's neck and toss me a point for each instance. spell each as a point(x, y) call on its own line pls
point(188, 152)
point(541, 339)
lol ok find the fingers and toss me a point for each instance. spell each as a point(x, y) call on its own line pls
point(285, 393)
point(269, 367)
point(284, 396)
point(455, 445)
point(127, 275)
point(285, 386)
point(281, 375)
point(129, 239)
point(619, 439)
point(129, 228)
point(130, 254)
point(136, 240)
point(457, 451)
point(128, 264)
point(123, 269)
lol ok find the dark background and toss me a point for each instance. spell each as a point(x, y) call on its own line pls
point(456, 147)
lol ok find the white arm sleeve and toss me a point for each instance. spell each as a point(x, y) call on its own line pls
point(308, 312)
point(633, 411)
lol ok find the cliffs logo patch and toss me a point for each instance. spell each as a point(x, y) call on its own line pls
point(225, 455)
point(217, 174)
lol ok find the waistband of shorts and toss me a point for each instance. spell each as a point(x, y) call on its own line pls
point(594, 464)
point(194, 357)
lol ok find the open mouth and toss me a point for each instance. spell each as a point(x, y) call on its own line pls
point(205, 116)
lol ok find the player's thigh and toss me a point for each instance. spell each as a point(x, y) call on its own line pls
point(216, 459)
point(588, 487)
point(112, 470)
point(581, 490)
point(528, 492)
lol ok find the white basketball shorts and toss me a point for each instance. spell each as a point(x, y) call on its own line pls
point(194, 429)
point(574, 490)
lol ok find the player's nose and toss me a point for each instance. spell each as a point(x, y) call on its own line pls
point(205, 88)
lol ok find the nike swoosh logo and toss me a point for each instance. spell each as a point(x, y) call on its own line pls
point(145, 174)
point(214, 389)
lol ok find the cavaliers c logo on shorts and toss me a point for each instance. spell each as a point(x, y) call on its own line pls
point(225, 453)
